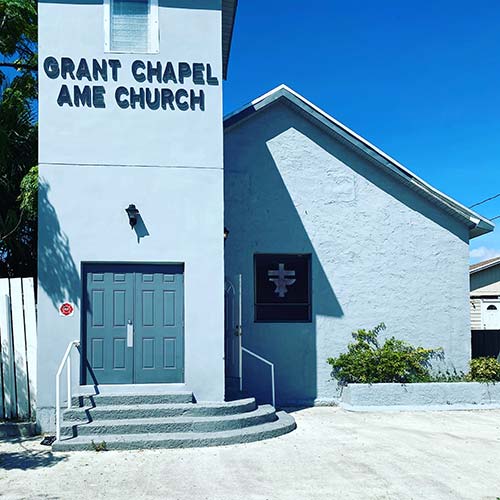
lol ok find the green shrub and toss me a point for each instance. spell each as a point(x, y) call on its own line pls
point(448, 376)
point(484, 370)
point(368, 362)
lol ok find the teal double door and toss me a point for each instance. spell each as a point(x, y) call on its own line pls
point(133, 324)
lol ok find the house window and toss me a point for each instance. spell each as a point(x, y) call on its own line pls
point(131, 26)
point(282, 288)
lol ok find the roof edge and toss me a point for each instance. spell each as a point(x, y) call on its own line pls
point(227, 56)
point(481, 266)
point(478, 225)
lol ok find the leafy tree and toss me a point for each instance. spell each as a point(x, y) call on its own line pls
point(18, 34)
point(18, 137)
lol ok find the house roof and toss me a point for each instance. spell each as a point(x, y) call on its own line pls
point(477, 224)
point(228, 17)
point(485, 264)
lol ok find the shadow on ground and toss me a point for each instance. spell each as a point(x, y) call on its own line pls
point(28, 459)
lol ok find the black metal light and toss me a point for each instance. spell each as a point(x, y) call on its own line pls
point(226, 234)
point(132, 213)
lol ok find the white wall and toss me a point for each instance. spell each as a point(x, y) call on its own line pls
point(95, 162)
point(115, 136)
point(476, 314)
point(380, 253)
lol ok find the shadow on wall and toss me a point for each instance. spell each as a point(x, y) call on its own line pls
point(263, 218)
point(140, 228)
point(57, 273)
point(277, 203)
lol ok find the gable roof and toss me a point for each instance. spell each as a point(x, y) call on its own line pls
point(485, 264)
point(477, 224)
point(228, 16)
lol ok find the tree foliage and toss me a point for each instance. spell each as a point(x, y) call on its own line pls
point(18, 137)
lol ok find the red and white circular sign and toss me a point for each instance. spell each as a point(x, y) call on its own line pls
point(66, 309)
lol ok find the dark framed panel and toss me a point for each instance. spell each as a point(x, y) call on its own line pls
point(282, 288)
point(150, 297)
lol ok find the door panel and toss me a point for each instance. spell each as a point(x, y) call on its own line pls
point(159, 336)
point(151, 297)
point(109, 303)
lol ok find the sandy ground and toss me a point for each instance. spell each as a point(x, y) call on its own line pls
point(333, 454)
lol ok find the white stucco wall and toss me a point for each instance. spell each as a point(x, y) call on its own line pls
point(95, 162)
point(114, 136)
point(380, 252)
point(433, 396)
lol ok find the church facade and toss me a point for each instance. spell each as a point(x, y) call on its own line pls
point(180, 249)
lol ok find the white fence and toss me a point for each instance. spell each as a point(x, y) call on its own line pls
point(18, 349)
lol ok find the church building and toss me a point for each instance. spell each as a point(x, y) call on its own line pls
point(184, 254)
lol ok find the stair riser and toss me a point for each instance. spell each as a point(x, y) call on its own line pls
point(97, 414)
point(132, 399)
point(166, 427)
point(177, 443)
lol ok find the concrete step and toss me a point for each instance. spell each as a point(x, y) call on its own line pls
point(284, 423)
point(164, 425)
point(84, 400)
point(115, 412)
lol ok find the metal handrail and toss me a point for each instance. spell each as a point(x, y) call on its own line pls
point(66, 358)
point(267, 362)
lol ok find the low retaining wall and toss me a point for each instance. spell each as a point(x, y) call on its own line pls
point(459, 395)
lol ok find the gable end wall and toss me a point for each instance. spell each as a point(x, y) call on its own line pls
point(380, 252)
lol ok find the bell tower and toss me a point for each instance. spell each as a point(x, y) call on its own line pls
point(130, 114)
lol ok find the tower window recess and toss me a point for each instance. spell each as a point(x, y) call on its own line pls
point(131, 26)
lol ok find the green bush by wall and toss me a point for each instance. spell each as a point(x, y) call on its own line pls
point(484, 370)
point(367, 361)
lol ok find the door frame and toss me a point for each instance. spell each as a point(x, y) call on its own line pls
point(233, 294)
point(84, 265)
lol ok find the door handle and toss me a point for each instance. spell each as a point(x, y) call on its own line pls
point(130, 334)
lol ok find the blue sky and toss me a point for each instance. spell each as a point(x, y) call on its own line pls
point(421, 80)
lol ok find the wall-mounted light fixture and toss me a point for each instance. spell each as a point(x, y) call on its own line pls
point(226, 234)
point(132, 213)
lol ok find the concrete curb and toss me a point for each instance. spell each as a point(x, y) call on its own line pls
point(414, 397)
point(9, 430)
point(428, 408)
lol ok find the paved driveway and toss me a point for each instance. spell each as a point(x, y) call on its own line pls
point(333, 454)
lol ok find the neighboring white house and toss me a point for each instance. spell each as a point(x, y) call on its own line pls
point(485, 295)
